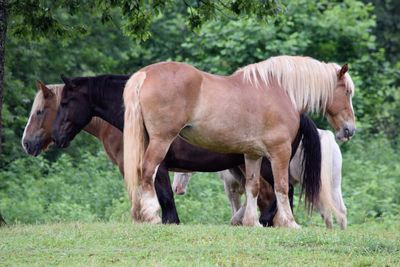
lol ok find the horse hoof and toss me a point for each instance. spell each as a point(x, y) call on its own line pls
point(294, 225)
point(155, 220)
point(285, 223)
point(236, 221)
point(252, 222)
point(136, 216)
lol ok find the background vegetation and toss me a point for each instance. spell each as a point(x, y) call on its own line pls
point(80, 184)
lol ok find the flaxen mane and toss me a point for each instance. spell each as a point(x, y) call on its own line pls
point(56, 89)
point(39, 101)
point(308, 82)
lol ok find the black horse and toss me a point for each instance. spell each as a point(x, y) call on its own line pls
point(86, 97)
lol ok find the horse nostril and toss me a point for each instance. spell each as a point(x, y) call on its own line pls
point(346, 132)
point(26, 144)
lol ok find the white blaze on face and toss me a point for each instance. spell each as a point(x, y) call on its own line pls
point(180, 183)
point(23, 136)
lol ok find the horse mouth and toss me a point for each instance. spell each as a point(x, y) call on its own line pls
point(36, 152)
point(62, 143)
point(343, 138)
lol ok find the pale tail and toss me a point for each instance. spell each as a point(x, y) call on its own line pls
point(325, 196)
point(135, 138)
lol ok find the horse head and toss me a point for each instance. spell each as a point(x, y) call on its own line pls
point(74, 112)
point(37, 133)
point(339, 110)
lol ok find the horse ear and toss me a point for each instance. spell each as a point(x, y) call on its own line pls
point(67, 81)
point(343, 70)
point(46, 91)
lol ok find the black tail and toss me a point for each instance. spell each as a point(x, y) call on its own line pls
point(311, 146)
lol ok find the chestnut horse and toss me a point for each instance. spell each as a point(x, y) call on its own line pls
point(85, 97)
point(37, 137)
point(255, 112)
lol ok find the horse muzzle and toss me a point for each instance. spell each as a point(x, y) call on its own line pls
point(32, 146)
point(346, 132)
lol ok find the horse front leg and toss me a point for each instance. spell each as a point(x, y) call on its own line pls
point(252, 187)
point(280, 156)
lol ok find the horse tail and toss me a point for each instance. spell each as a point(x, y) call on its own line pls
point(328, 145)
point(135, 137)
point(311, 161)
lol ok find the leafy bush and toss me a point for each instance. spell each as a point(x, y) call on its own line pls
point(36, 190)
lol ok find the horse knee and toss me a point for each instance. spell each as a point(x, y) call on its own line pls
point(253, 184)
point(148, 176)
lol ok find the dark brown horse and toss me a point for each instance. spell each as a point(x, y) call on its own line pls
point(86, 97)
point(37, 137)
point(255, 112)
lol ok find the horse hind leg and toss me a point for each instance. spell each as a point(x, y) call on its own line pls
point(340, 209)
point(326, 215)
point(280, 156)
point(252, 187)
point(148, 205)
point(224, 175)
point(233, 187)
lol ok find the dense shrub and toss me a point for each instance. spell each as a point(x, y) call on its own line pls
point(35, 190)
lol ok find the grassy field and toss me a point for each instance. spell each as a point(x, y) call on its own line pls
point(102, 244)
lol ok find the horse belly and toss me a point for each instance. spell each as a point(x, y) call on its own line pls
point(222, 141)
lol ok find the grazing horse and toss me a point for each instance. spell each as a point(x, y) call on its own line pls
point(102, 96)
point(330, 197)
point(254, 111)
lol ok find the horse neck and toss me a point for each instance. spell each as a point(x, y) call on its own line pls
point(240, 79)
point(94, 127)
point(108, 105)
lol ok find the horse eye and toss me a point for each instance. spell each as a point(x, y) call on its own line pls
point(39, 112)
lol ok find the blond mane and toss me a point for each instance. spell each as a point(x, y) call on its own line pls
point(39, 101)
point(308, 82)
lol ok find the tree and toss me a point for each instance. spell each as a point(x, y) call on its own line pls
point(2, 221)
point(3, 29)
point(388, 27)
point(36, 19)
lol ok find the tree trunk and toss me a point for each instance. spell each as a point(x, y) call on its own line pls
point(2, 221)
point(3, 29)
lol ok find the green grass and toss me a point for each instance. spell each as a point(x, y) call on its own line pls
point(103, 244)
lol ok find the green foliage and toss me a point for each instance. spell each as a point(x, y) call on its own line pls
point(35, 190)
point(388, 25)
point(205, 201)
point(33, 19)
point(89, 188)
point(82, 185)
point(371, 180)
